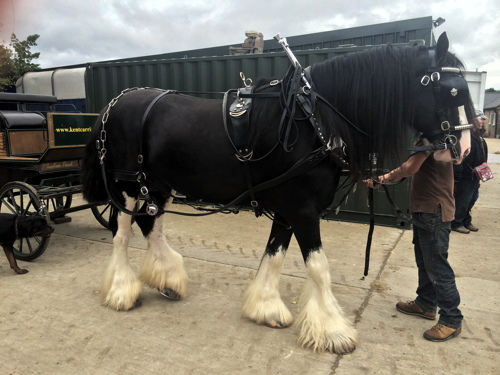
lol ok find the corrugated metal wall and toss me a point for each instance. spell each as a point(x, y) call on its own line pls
point(104, 81)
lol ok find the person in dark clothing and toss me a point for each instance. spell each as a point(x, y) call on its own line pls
point(466, 182)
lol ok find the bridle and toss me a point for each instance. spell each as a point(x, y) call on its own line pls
point(453, 90)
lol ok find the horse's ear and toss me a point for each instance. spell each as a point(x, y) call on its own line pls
point(442, 47)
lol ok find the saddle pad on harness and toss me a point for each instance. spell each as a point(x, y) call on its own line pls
point(239, 113)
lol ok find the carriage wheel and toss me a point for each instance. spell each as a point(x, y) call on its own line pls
point(103, 213)
point(19, 198)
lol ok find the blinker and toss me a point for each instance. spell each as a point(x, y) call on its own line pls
point(454, 90)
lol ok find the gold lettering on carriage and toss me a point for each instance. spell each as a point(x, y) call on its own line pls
point(73, 130)
point(59, 165)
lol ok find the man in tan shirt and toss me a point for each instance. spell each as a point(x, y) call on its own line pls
point(433, 208)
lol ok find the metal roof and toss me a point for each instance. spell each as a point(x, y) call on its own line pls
point(491, 100)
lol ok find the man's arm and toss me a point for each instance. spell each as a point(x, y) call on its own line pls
point(407, 169)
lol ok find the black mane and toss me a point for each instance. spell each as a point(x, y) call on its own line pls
point(375, 90)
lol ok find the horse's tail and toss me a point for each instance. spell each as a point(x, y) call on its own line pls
point(94, 190)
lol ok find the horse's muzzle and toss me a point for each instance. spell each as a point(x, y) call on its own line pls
point(462, 149)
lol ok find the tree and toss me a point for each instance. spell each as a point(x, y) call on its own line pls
point(6, 67)
point(16, 59)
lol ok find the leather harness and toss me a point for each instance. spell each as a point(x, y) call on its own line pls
point(239, 113)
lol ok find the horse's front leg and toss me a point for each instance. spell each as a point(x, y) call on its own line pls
point(262, 302)
point(121, 287)
point(321, 321)
point(163, 267)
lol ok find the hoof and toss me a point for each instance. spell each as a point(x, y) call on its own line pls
point(275, 325)
point(170, 294)
point(342, 351)
point(136, 305)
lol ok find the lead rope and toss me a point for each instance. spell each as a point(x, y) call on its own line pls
point(374, 160)
point(370, 232)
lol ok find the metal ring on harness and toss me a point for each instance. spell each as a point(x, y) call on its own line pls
point(445, 126)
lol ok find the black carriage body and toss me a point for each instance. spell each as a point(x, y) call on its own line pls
point(37, 143)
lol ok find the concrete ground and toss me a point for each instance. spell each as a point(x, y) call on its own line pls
point(51, 320)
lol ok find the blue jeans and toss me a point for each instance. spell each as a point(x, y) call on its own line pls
point(436, 279)
point(466, 194)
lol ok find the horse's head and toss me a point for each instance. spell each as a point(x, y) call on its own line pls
point(444, 111)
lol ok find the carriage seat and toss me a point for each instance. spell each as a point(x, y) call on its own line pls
point(22, 120)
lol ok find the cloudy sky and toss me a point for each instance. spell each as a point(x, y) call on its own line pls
point(79, 31)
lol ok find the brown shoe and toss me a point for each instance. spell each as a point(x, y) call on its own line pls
point(461, 230)
point(441, 333)
point(472, 228)
point(411, 308)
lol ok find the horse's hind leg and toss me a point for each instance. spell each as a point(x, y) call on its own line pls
point(262, 302)
point(322, 323)
point(121, 287)
point(163, 267)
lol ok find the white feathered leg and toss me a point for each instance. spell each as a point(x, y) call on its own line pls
point(163, 267)
point(262, 302)
point(321, 320)
point(121, 287)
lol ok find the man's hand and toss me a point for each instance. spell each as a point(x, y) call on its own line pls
point(371, 184)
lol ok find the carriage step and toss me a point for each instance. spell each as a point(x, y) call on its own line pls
point(61, 220)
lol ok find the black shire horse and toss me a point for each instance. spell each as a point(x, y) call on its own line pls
point(148, 143)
